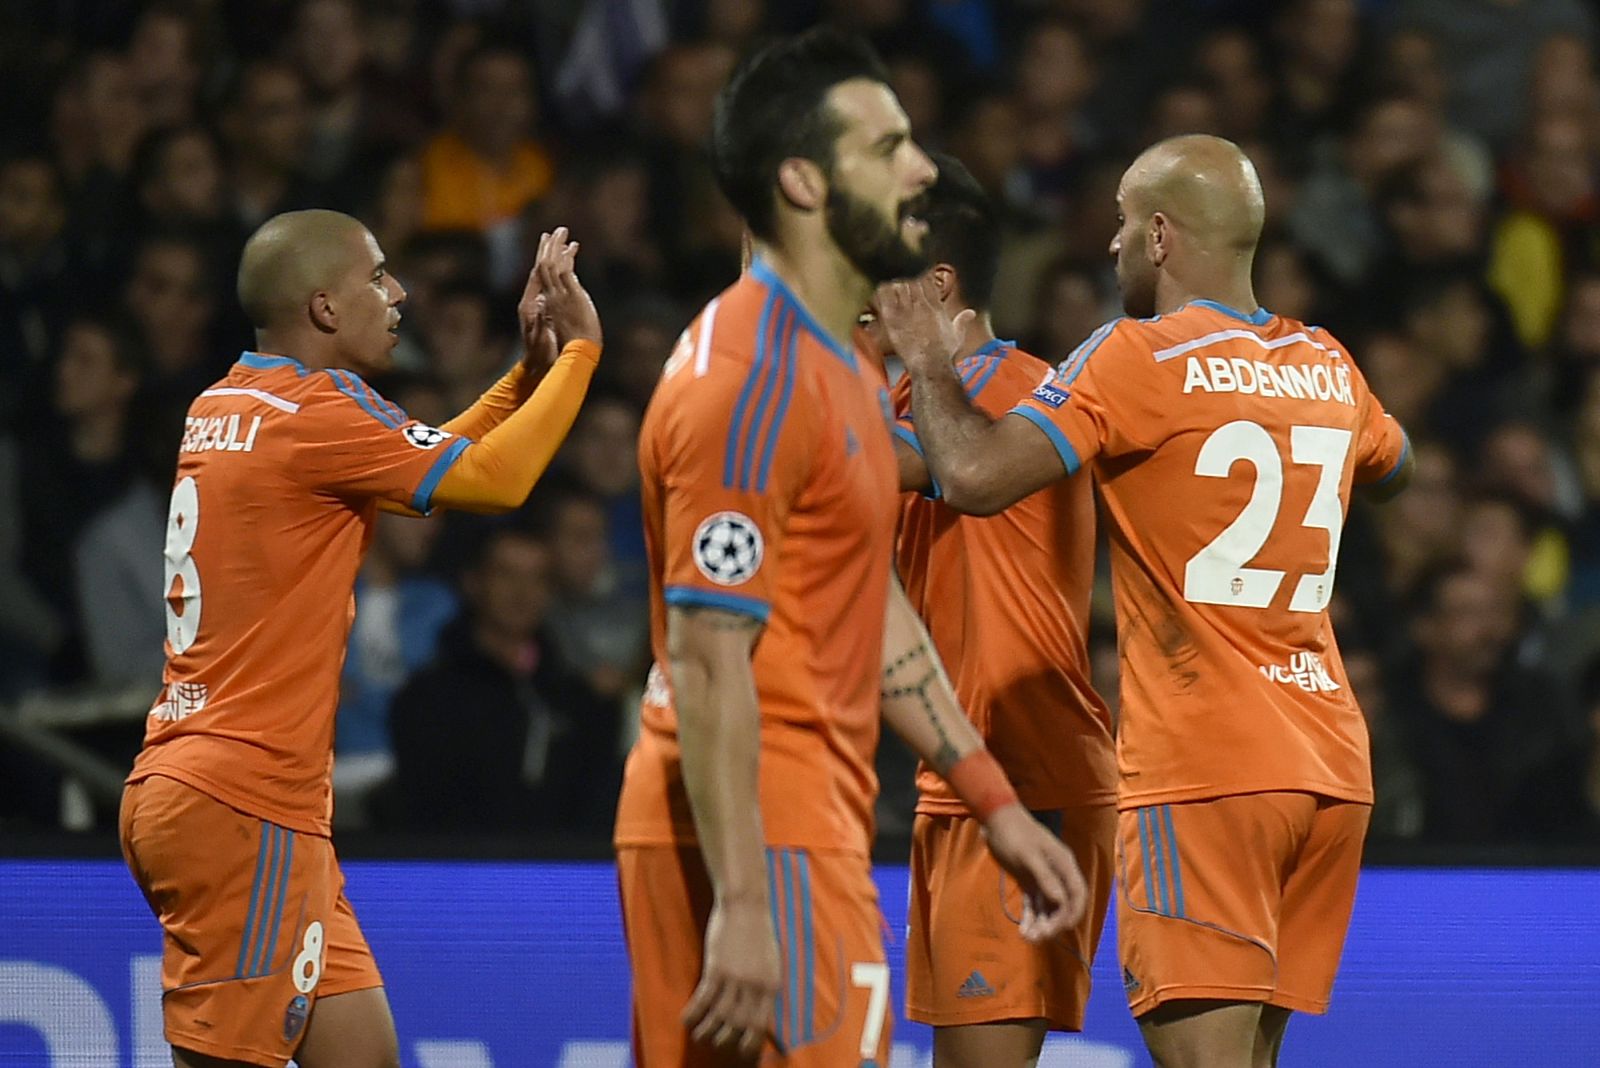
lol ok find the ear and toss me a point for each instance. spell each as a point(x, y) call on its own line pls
point(802, 183)
point(1160, 238)
point(944, 280)
point(323, 315)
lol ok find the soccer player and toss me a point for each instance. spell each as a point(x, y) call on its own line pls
point(780, 635)
point(1006, 601)
point(281, 471)
point(1226, 441)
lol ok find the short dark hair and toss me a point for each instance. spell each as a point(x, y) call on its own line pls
point(963, 229)
point(774, 108)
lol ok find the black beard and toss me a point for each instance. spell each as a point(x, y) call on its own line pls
point(873, 247)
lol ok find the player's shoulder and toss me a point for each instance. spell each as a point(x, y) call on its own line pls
point(331, 395)
point(1204, 322)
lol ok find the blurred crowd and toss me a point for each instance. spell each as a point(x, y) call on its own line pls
point(1432, 172)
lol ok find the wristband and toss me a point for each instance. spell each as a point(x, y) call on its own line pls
point(980, 784)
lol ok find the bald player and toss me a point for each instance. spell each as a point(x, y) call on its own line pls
point(282, 468)
point(1226, 441)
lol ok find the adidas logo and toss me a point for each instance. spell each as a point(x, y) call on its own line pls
point(976, 986)
point(1130, 982)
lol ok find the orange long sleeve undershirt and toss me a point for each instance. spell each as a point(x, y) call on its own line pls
point(518, 437)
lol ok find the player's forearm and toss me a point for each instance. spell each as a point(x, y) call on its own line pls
point(954, 436)
point(920, 705)
point(496, 404)
point(498, 472)
point(719, 737)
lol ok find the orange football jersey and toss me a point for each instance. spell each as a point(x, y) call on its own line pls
point(1006, 601)
point(1225, 446)
point(770, 489)
point(280, 471)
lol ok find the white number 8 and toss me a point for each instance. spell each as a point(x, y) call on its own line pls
point(183, 523)
point(310, 957)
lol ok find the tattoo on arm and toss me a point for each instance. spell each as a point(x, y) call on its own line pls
point(945, 756)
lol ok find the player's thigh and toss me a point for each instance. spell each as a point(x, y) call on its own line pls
point(1318, 897)
point(1013, 1044)
point(244, 907)
point(1200, 892)
point(1199, 1033)
point(967, 962)
point(350, 1030)
point(833, 1008)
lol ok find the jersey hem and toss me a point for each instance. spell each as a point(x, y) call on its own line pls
point(217, 792)
point(936, 806)
point(1128, 801)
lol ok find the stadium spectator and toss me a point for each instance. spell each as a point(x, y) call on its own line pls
point(603, 633)
point(481, 172)
point(38, 277)
point(1500, 753)
point(400, 611)
point(264, 121)
point(499, 733)
point(329, 52)
point(165, 62)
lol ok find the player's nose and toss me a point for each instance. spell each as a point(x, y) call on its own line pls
point(924, 172)
point(397, 292)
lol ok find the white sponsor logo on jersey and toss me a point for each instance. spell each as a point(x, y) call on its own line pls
point(1304, 670)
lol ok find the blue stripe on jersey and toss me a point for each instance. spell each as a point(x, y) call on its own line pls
point(271, 943)
point(1399, 465)
point(350, 390)
point(255, 899)
point(976, 387)
point(383, 403)
point(735, 426)
point(694, 597)
point(783, 333)
point(1069, 455)
point(422, 499)
point(763, 272)
point(770, 447)
point(1073, 365)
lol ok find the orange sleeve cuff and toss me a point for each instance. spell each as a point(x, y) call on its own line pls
point(498, 472)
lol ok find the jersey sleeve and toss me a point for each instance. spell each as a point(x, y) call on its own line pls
point(351, 442)
point(731, 458)
point(1381, 445)
point(1098, 400)
point(994, 384)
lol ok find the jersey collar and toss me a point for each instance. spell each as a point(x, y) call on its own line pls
point(1259, 317)
point(263, 361)
point(762, 271)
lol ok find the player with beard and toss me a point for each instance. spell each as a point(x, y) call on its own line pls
point(780, 636)
point(1226, 441)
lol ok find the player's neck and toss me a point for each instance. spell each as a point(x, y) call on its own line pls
point(980, 332)
point(826, 282)
point(1231, 290)
point(310, 350)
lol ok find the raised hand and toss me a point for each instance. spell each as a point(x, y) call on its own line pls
point(917, 325)
point(1054, 893)
point(539, 348)
point(571, 311)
